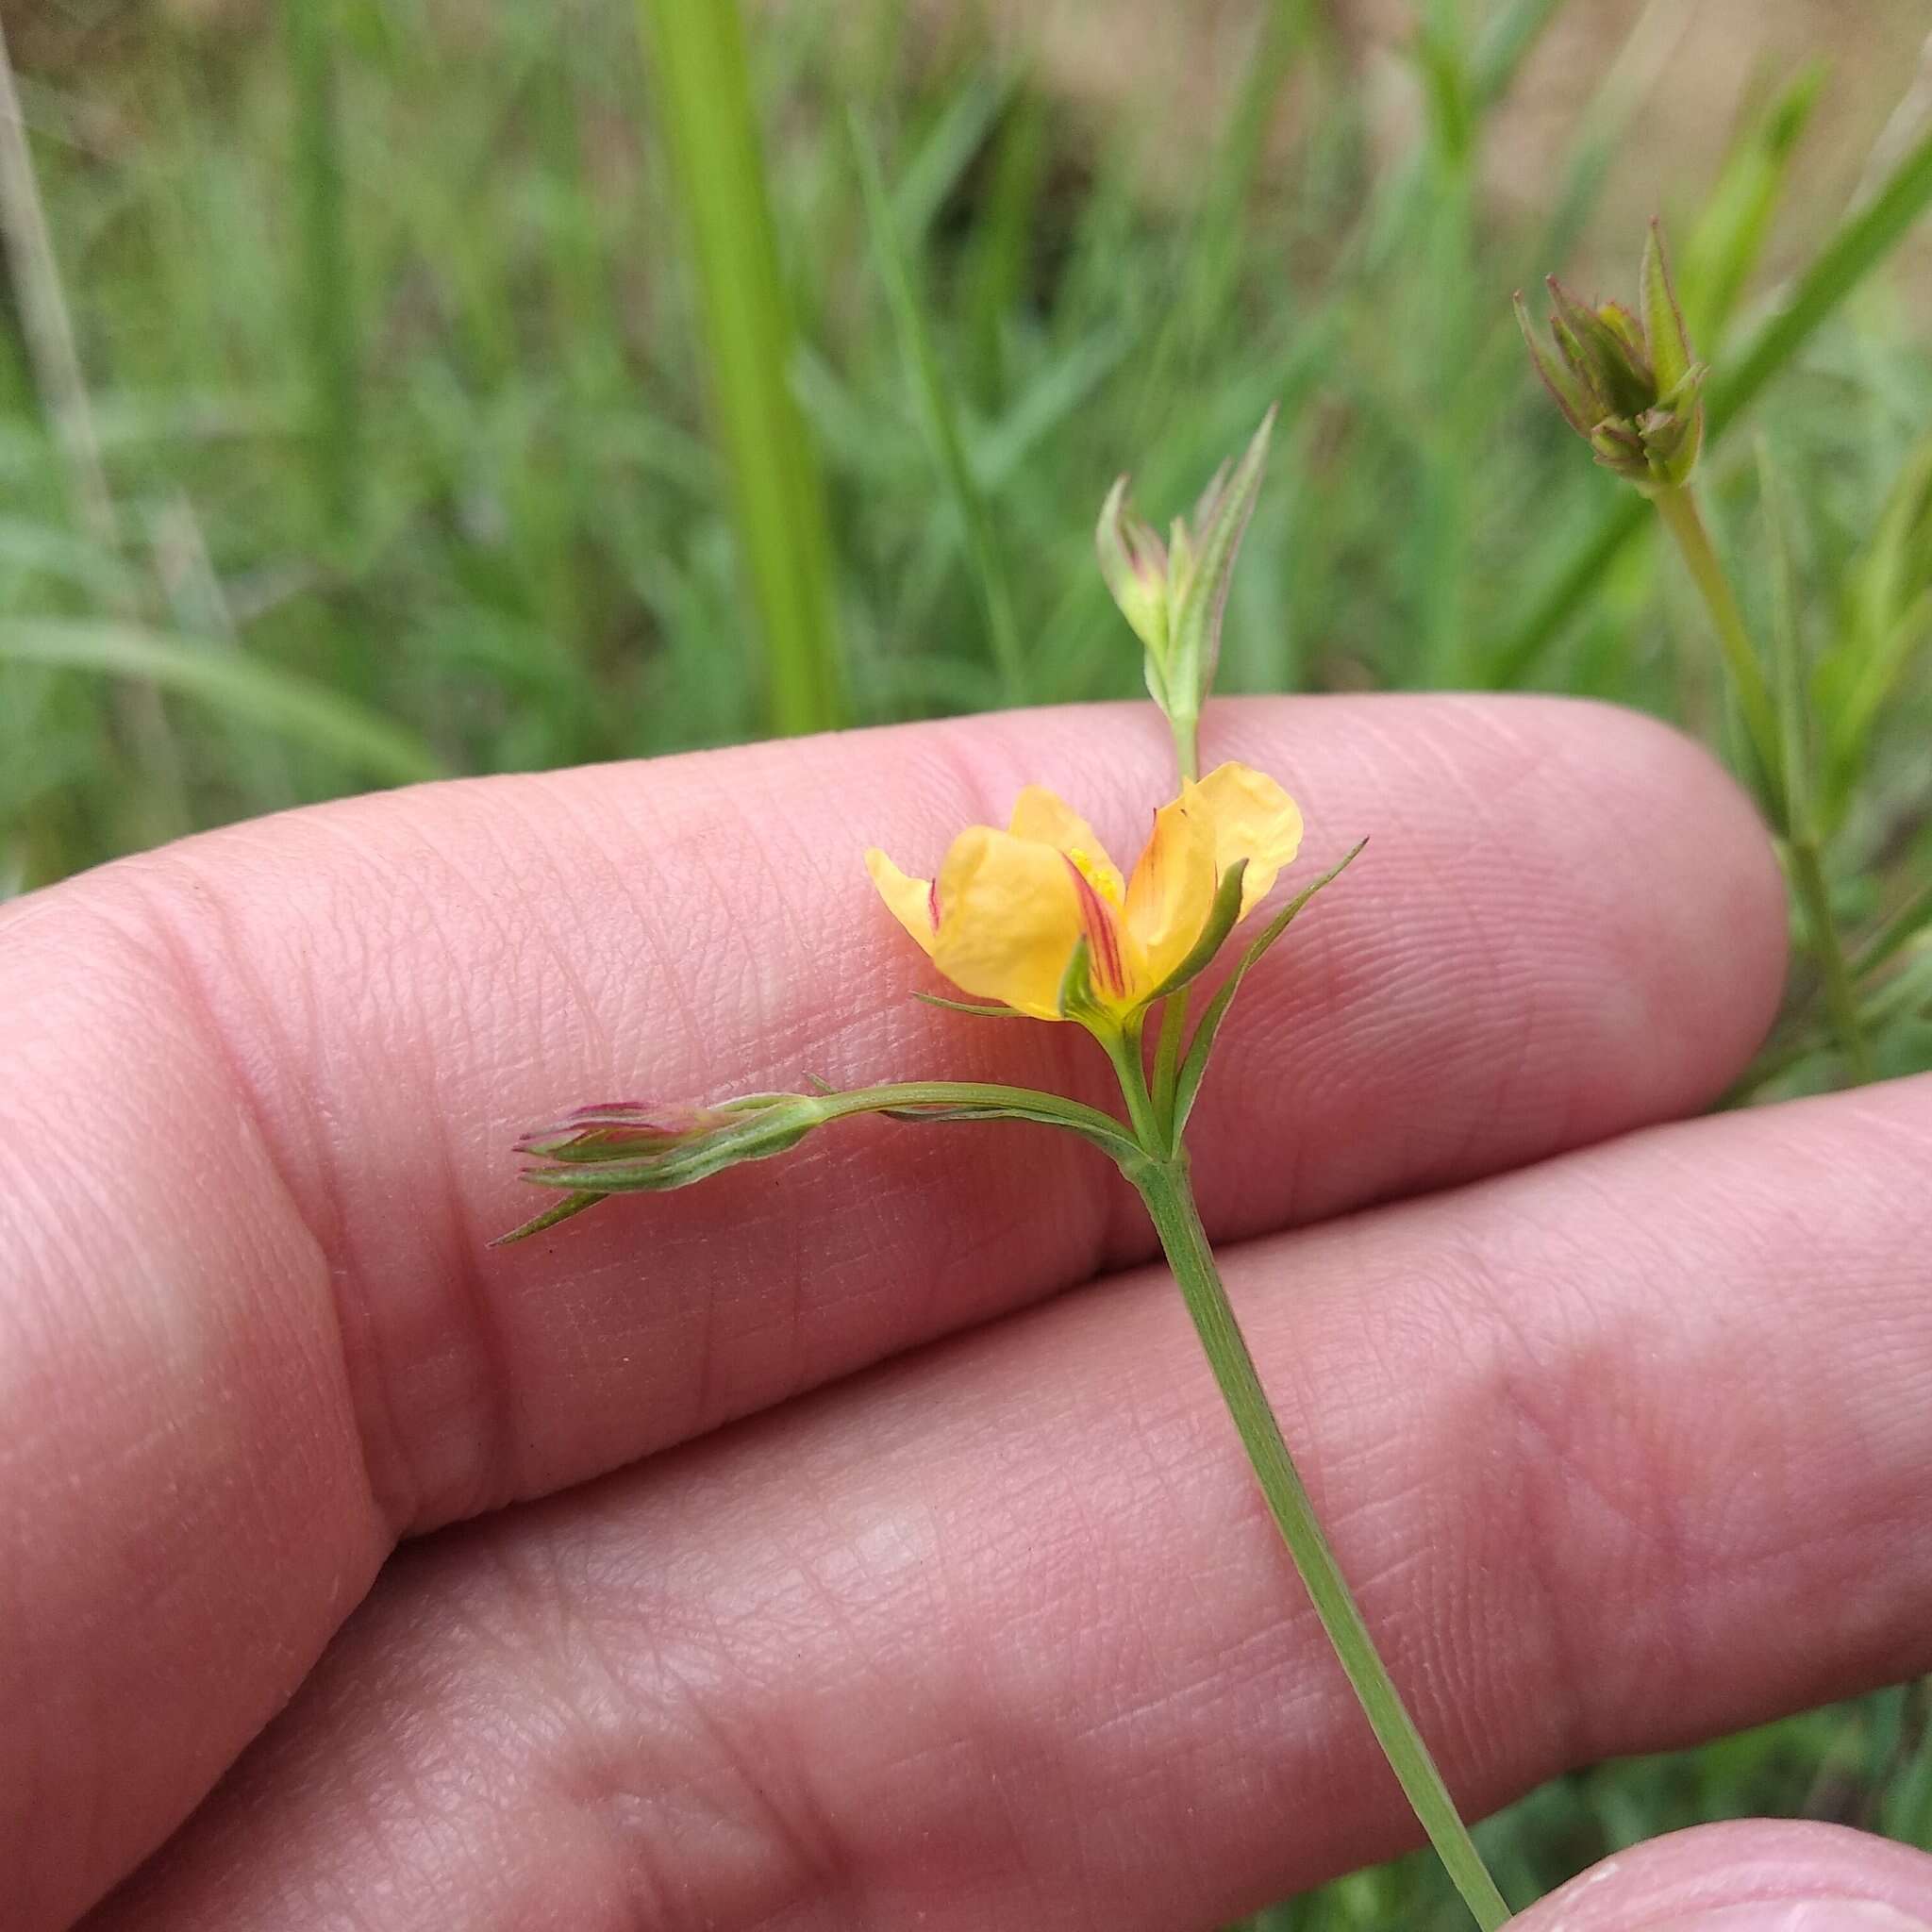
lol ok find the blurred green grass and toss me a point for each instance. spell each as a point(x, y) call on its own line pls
point(444, 431)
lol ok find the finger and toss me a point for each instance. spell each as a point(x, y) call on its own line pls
point(1758, 1875)
point(258, 1138)
point(1567, 923)
point(1619, 1452)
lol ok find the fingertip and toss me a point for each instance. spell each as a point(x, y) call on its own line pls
point(1747, 1875)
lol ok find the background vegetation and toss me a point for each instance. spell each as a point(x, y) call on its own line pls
point(402, 388)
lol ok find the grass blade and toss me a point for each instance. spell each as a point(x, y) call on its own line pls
point(942, 422)
point(55, 360)
point(334, 377)
point(704, 98)
point(243, 688)
point(1506, 40)
point(1724, 247)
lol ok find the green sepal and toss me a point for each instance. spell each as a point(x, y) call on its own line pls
point(1621, 449)
point(1557, 376)
point(1221, 918)
point(1076, 1000)
point(570, 1204)
point(1194, 1067)
point(975, 1008)
point(1198, 589)
point(1664, 335)
point(1135, 564)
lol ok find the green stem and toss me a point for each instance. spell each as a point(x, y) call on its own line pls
point(1803, 859)
point(1124, 1050)
point(1678, 508)
point(1167, 1062)
point(704, 108)
point(1169, 1199)
point(1807, 868)
point(1186, 751)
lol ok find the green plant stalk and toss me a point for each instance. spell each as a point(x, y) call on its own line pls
point(1124, 1050)
point(1164, 1185)
point(1804, 860)
point(1184, 726)
point(334, 410)
point(1684, 521)
point(704, 97)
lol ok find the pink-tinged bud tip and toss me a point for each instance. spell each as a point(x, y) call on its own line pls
point(622, 1124)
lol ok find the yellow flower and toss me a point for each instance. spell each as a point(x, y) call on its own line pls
point(1008, 910)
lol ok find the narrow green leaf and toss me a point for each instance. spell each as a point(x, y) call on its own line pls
point(1898, 932)
point(333, 357)
point(1194, 642)
point(243, 687)
point(1508, 38)
point(1729, 240)
point(570, 1204)
point(973, 1007)
point(1222, 916)
point(989, 568)
point(1194, 1066)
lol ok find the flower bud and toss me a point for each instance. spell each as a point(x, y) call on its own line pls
point(630, 1146)
point(1629, 387)
point(1174, 594)
point(1134, 562)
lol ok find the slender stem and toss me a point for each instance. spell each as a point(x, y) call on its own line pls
point(1896, 934)
point(1020, 1102)
point(706, 109)
point(1124, 1050)
point(1186, 751)
point(1803, 859)
point(1164, 1187)
point(1678, 508)
point(1167, 1062)
point(1807, 868)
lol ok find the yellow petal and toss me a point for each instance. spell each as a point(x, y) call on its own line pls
point(1249, 817)
point(1170, 894)
point(909, 899)
point(1010, 919)
point(1041, 814)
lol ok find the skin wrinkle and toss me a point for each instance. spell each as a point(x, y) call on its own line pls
point(319, 1205)
point(485, 1468)
point(644, 1888)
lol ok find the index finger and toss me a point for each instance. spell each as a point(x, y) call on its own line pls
point(256, 1138)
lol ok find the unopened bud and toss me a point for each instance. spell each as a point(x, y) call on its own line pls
point(1629, 385)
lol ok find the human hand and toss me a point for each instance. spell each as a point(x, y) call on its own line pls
point(1624, 1441)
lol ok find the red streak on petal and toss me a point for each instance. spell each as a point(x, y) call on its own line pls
point(932, 904)
point(1103, 934)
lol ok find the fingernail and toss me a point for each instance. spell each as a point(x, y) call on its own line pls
point(1796, 1915)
